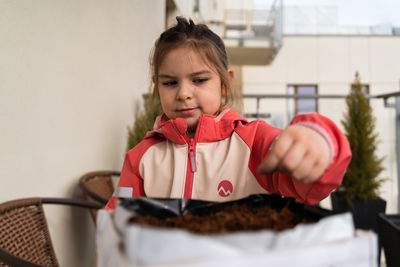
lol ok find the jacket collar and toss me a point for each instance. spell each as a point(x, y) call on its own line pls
point(209, 129)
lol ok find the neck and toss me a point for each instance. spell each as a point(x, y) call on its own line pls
point(190, 134)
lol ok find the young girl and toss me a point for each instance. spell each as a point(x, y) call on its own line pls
point(202, 149)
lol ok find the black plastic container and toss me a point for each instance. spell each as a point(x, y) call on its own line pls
point(165, 207)
point(365, 212)
point(389, 235)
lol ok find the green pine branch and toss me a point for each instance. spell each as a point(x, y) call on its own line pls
point(144, 121)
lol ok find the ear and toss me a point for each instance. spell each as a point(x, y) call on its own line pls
point(231, 73)
point(231, 76)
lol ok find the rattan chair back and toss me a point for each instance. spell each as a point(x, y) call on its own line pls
point(24, 234)
point(98, 187)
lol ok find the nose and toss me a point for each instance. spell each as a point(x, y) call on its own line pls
point(185, 91)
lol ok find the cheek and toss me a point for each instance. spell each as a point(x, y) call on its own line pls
point(212, 101)
point(165, 101)
point(163, 97)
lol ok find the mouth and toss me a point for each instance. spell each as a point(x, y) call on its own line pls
point(187, 111)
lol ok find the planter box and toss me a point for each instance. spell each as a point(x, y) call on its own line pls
point(171, 247)
point(389, 235)
point(365, 212)
point(332, 241)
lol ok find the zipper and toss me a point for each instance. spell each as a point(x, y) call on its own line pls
point(191, 169)
point(192, 149)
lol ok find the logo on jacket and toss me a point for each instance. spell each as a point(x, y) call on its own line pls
point(225, 188)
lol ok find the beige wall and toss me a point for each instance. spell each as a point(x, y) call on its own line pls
point(71, 75)
point(330, 62)
point(184, 8)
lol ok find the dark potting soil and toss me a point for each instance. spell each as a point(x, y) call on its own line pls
point(231, 218)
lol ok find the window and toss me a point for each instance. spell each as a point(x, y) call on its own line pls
point(302, 105)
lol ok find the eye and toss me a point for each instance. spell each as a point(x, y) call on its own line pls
point(169, 83)
point(200, 80)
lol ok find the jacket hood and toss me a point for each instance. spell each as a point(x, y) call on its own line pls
point(209, 129)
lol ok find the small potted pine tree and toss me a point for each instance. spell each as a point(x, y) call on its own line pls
point(359, 191)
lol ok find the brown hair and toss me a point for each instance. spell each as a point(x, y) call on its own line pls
point(200, 38)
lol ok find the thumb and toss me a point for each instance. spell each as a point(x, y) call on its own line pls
point(269, 165)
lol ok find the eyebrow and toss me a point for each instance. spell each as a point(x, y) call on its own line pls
point(191, 74)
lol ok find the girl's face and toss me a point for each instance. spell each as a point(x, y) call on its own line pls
point(188, 87)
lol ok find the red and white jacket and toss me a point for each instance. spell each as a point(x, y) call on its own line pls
point(220, 162)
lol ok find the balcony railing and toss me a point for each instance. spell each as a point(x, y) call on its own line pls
point(384, 97)
point(244, 25)
point(251, 37)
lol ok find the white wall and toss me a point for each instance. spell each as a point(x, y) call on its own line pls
point(184, 8)
point(238, 4)
point(331, 62)
point(71, 74)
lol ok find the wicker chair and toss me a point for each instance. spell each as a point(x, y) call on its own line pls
point(24, 234)
point(97, 187)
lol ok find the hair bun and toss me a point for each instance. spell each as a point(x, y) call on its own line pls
point(183, 24)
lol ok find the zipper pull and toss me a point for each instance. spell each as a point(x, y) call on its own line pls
point(192, 156)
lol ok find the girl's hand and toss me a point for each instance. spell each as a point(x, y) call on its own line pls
point(299, 151)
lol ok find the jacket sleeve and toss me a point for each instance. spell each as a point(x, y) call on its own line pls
point(130, 182)
point(286, 186)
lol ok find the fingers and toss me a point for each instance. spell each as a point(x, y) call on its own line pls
point(288, 158)
point(315, 173)
point(300, 152)
point(302, 171)
point(273, 161)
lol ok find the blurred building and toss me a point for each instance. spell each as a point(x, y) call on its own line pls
point(303, 50)
point(326, 65)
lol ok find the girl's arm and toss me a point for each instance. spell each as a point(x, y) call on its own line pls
point(130, 183)
point(306, 161)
